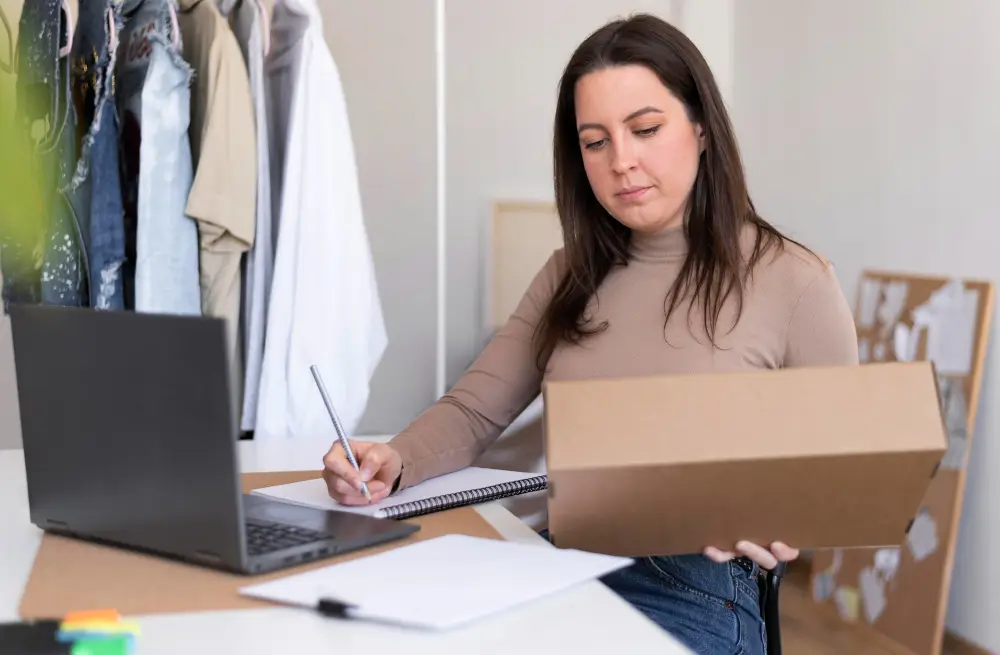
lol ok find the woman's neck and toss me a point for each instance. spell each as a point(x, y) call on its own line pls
point(664, 244)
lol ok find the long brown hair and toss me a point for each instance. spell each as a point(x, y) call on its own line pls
point(718, 209)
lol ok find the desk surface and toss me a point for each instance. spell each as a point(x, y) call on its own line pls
point(588, 619)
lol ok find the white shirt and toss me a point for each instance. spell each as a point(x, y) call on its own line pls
point(324, 307)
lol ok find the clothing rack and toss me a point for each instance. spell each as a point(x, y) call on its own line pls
point(211, 226)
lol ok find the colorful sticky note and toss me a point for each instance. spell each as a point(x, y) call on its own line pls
point(118, 646)
point(107, 627)
point(93, 615)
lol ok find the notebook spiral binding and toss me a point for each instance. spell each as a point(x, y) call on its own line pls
point(462, 498)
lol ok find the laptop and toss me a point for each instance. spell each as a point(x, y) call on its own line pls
point(130, 434)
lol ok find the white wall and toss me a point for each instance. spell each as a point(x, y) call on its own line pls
point(870, 130)
point(385, 52)
point(503, 64)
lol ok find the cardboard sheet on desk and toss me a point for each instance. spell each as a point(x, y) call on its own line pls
point(815, 457)
point(69, 574)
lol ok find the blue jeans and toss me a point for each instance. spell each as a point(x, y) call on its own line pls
point(713, 609)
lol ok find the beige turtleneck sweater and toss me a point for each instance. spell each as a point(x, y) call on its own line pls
point(794, 314)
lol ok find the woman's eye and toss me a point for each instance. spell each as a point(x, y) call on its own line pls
point(594, 145)
point(649, 131)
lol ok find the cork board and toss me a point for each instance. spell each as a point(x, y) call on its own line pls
point(70, 574)
point(903, 592)
point(525, 234)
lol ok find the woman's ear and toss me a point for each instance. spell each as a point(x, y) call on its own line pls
point(701, 137)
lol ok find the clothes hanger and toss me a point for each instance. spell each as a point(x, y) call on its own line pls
point(71, 9)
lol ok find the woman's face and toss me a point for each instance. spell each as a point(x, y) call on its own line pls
point(640, 149)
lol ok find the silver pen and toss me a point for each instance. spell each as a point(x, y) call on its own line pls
point(339, 428)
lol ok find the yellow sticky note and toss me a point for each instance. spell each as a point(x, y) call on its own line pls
point(848, 601)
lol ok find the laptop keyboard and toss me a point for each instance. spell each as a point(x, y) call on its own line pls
point(264, 537)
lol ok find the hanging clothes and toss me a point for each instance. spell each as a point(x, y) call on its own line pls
point(325, 307)
point(252, 29)
point(224, 152)
point(43, 260)
point(95, 189)
point(154, 104)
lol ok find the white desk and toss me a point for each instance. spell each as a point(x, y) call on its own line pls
point(589, 619)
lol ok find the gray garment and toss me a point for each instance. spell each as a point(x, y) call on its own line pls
point(155, 102)
point(248, 26)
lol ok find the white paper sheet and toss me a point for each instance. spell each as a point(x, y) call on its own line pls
point(922, 538)
point(956, 419)
point(872, 594)
point(893, 301)
point(879, 351)
point(871, 291)
point(887, 562)
point(951, 334)
point(313, 493)
point(905, 342)
point(443, 582)
point(864, 350)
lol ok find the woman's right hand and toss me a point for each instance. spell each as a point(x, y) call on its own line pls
point(380, 465)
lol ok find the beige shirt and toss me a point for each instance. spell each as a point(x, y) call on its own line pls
point(224, 152)
point(794, 314)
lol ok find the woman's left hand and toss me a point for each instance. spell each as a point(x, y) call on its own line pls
point(767, 559)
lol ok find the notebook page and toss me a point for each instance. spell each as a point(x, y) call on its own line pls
point(313, 493)
point(443, 582)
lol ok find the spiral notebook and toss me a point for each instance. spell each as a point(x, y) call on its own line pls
point(467, 486)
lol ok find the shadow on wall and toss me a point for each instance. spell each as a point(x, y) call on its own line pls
point(10, 415)
point(521, 447)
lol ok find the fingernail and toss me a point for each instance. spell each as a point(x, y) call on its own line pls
point(742, 545)
point(366, 475)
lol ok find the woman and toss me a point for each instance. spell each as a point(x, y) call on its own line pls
point(666, 269)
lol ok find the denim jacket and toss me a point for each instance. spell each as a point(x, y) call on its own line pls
point(95, 189)
point(154, 101)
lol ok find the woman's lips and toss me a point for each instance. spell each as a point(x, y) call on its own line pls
point(633, 193)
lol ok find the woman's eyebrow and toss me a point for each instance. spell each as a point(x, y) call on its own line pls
point(636, 114)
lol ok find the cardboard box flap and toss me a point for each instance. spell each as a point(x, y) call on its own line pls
point(823, 411)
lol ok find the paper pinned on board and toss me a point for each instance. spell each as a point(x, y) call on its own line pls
point(872, 594)
point(838, 561)
point(905, 342)
point(879, 351)
point(871, 291)
point(956, 419)
point(950, 316)
point(823, 585)
point(848, 601)
point(864, 350)
point(894, 296)
point(887, 562)
point(922, 538)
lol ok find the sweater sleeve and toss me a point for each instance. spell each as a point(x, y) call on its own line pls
point(499, 385)
point(822, 330)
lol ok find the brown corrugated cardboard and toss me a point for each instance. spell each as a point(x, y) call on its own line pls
point(814, 457)
point(69, 574)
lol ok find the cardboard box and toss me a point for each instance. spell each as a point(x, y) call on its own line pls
point(815, 457)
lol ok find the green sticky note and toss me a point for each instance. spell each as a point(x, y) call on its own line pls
point(115, 646)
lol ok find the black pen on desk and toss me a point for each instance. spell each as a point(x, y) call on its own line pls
point(341, 435)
